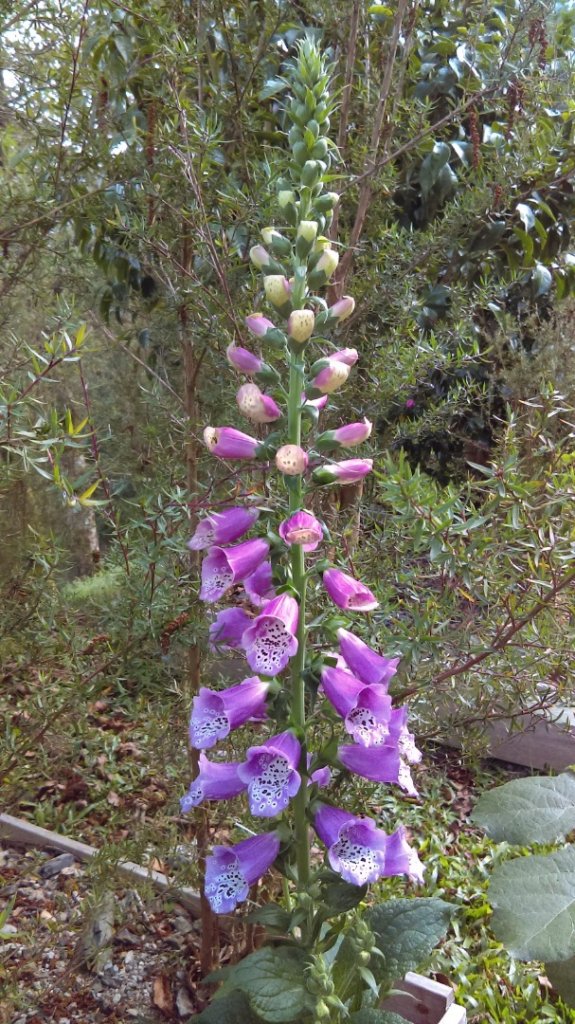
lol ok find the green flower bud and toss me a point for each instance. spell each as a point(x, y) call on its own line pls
point(320, 149)
point(300, 155)
point(278, 243)
point(311, 172)
point(326, 202)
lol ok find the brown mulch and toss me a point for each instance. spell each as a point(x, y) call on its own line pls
point(71, 953)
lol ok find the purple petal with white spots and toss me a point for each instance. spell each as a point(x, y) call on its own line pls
point(364, 662)
point(214, 715)
point(213, 782)
point(356, 847)
point(227, 629)
point(230, 871)
point(270, 772)
point(259, 585)
point(223, 567)
point(223, 527)
point(270, 642)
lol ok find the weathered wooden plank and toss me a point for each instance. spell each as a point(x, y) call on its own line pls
point(17, 830)
point(425, 1001)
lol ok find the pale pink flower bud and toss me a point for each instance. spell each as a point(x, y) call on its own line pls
point(345, 437)
point(332, 377)
point(291, 460)
point(258, 408)
point(346, 355)
point(300, 324)
point(343, 308)
point(243, 360)
point(258, 324)
point(260, 257)
point(278, 290)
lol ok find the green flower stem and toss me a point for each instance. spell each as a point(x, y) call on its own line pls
point(299, 581)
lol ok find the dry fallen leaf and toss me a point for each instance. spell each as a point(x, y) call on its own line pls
point(113, 798)
point(162, 994)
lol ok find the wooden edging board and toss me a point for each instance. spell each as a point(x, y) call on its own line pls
point(22, 832)
point(424, 1001)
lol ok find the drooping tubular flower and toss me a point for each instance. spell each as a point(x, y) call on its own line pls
point(271, 640)
point(213, 782)
point(404, 739)
point(256, 406)
point(348, 593)
point(223, 527)
point(231, 870)
point(229, 443)
point(344, 437)
point(291, 460)
point(244, 360)
point(227, 629)
point(369, 666)
point(259, 586)
point(361, 852)
point(270, 773)
point(378, 764)
point(366, 710)
point(302, 528)
point(223, 567)
point(215, 715)
point(347, 472)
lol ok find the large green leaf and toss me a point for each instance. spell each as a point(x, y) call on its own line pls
point(376, 1017)
point(406, 931)
point(273, 979)
point(525, 811)
point(534, 900)
point(231, 1008)
point(562, 977)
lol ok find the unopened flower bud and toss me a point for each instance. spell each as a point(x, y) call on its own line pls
point(346, 355)
point(331, 377)
point(286, 198)
point(278, 243)
point(256, 406)
point(243, 360)
point(343, 308)
point(291, 460)
point(278, 290)
point(300, 325)
point(305, 237)
point(260, 257)
point(325, 203)
point(259, 325)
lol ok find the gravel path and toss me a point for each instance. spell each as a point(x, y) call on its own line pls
point(74, 954)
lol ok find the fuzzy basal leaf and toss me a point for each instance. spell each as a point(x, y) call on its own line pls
point(406, 931)
point(273, 980)
point(526, 811)
point(534, 901)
